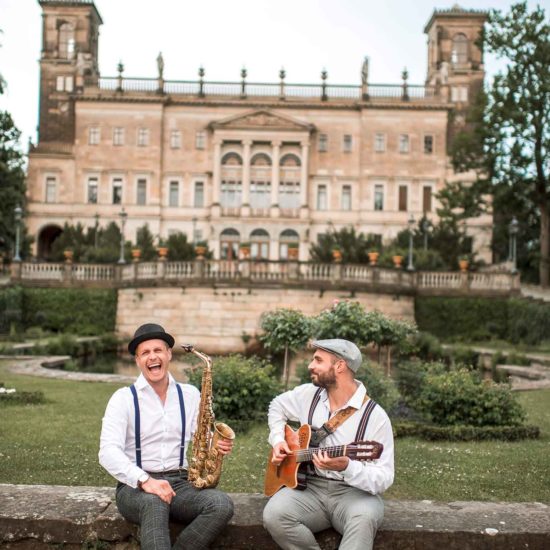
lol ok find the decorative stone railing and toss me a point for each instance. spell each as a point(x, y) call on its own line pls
point(263, 273)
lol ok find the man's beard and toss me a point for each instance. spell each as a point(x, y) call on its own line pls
point(325, 380)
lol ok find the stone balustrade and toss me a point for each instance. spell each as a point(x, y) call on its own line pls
point(263, 273)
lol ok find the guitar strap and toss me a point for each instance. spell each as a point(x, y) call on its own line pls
point(331, 425)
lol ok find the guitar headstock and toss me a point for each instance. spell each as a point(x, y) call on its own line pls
point(364, 450)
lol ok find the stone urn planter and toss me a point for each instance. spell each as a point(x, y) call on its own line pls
point(397, 261)
point(68, 254)
point(373, 258)
point(293, 253)
point(463, 265)
point(162, 252)
point(337, 255)
point(245, 251)
point(136, 254)
point(200, 251)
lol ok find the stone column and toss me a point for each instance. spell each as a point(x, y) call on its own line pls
point(304, 181)
point(216, 173)
point(275, 174)
point(246, 173)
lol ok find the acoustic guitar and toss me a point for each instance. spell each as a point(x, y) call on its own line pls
point(289, 473)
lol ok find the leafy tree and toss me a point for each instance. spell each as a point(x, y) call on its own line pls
point(285, 329)
point(73, 237)
point(518, 116)
point(354, 247)
point(178, 247)
point(345, 320)
point(12, 187)
point(145, 242)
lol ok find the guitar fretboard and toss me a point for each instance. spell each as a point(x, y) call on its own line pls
point(306, 455)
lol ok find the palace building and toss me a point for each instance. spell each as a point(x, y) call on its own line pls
point(269, 164)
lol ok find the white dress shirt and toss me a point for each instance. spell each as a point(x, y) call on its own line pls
point(160, 428)
point(375, 476)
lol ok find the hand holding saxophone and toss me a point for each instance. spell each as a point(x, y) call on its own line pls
point(225, 446)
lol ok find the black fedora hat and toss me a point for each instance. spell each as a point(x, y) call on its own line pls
point(149, 331)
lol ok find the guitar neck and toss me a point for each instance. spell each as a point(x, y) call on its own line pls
point(306, 455)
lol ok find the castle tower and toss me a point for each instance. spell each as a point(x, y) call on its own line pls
point(70, 30)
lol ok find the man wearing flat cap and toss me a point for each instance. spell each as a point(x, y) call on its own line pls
point(144, 438)
point(340, 492)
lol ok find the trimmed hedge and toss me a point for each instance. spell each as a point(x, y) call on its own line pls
point(514, 320)
point(465, 433)
point(76, 311)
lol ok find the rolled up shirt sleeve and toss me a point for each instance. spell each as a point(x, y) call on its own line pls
point(112, 445)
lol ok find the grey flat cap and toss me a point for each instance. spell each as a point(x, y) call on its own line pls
point(345, 349)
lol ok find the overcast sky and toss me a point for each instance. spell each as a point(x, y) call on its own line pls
point(303, 36)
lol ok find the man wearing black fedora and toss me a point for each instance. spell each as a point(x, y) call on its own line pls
point(144, 438)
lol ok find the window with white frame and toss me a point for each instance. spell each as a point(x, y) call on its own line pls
point(459, 52)
point(198, 200)
point(345, 202)
point(347, 143)
point(143, 137)
point(427, 198)
point(117, 191)
point(174, 193)
point(379, 143)
point(403, 199)
point(289, 194)
point(459, 93)
point(260, 194)
point(322, 143)
point(231, 193)
point(93, 135)
point(92, 190)
point(322, 197)
point(141, 191)
point(404, 143)
point(66, 41)
point(175, 139)
point(200, 140)
point(51, 189)
point(118, 136)
point(64, 83)
point(428, 144)
point(378, 196)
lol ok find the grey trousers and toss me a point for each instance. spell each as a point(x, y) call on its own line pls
point(292, 516)
point(205, 513)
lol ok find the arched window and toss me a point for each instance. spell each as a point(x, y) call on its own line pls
point(231, 181)
point(459, 53)
point(229, 244)
point(259, 244)
point(66, 41)
point(287, 239)
point(260, 184)
point(289, 184)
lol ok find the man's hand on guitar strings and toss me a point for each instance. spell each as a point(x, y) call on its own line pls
point(280, 452)
point(324, 462)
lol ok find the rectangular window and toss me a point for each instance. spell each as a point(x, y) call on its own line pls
point(199, 194)
point(174, 193)
point(459, 93)
point(379, 197)
point(51, 185)
point(231, 193)
point(118, 136)
point(322, 197)
point(380, 143)
point(404, 143)
point(322, 144)
point(141, 191)
point(93, 135)
point(403, 196)
point(200, 140)
point(92, 190)
point(289, 194)
point(69, 83)
point(427, 198)
point(347, 143)
point(346, 197)
point(60, 84)
point(175, 139)
point(260, 194)
point(143, 137)
point(428, 144)
point(117, 191)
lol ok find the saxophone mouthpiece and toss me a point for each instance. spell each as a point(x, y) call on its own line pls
point(187, 347)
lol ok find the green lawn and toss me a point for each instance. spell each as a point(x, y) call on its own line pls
point(57, 443)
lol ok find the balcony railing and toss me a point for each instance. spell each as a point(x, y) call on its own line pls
point(266, 273)
point(280, 90)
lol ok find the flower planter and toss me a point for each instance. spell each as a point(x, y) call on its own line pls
point(293, 253)
point(337, 255)
point(200, 251)
point(163, 252)
point(397, 261)
point(245, 252)
point(373, 258)
point(136, 254)
point(68, 256)
point(463, 265)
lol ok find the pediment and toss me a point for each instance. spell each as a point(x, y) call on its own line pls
point(262, 120)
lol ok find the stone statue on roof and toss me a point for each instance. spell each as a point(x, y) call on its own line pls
point(160, 64)
point(365, 71)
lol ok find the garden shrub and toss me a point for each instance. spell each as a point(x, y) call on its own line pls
point(460, 397)
point(427, 347)
point(528, 322)
point(11, 308)
point(468, 357)
point(243, 388)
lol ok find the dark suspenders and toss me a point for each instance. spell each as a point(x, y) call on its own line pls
point(362, 428)
point(138, 427)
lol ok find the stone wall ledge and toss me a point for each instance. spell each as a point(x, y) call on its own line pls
point(43, 516)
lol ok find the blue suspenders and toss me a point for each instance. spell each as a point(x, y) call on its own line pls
point(138, 426)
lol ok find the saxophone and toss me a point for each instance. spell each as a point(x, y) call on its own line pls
point(205, 466)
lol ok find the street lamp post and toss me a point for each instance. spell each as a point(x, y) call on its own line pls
point(411, 222)
point(96, 230)
point(194, 220)
point(123, 215)
point(425, 228)
point(513, 230)
point(18, 214)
